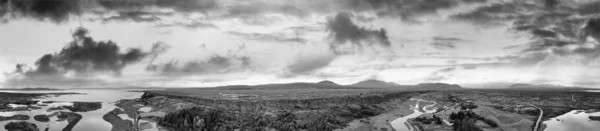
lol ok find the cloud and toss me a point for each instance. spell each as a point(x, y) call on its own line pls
point(440, 74)
point(254, 12)
point(190, 25)
point(274, 37)
point(592, 29)
point(216, 64)
point(440, 45)
point(81, 58)
point(136, 16)
point(589, 8)
point(52, 10)
point(543, 33)
point(304, 64)
point(183, 6)
point(343, 30)
point(407, 10)
point(494, 14)
point(137, 10)
point(441, 42)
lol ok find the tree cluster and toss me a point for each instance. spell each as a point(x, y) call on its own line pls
point(465, 121)
point(425, 120)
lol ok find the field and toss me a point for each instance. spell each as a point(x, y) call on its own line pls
point(363, 108)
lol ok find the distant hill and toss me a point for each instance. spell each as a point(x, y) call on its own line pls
point(437, 86)
point(38, 88)
point(542, 86)
point(31, 89)
point(374, 83)
point(326, 82)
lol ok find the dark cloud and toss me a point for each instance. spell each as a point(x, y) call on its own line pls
point(543, 33)
point(407, 10)
point(592, 29)
point(440, 45)
point(441, 42)
point(61, 10)
point(136, 16)
point(213, 65)
point(51, 10)
point(589, 53)
point(497, 13)
point(306, 65)
point(275, 37)
point(343, 30)
point(253, 9)
point(589, 8)
point(249, 12)
point(85, 55)
point(191, 25)
point(82, 57)
point(441, 38)
point(184, 6)
point(558, 30)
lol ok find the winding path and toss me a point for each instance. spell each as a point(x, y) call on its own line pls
point(537, 123)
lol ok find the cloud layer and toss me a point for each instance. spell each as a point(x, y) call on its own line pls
point(404, 41)
point(82, 57)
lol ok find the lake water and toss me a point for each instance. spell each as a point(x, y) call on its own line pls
point(576, 120)
point(399, 123)
point(91, 121)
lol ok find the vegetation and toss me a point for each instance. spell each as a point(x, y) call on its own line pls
point(434, 119)
point(594, 118)
point(199, 118)
point(465, 121)
point(41, 118)
point(20, 126)
point(15, 117)
point(84, 106)
point(467, 105)
point(118, 124)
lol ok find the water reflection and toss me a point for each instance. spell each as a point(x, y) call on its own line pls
point(91, 120)
point(575, 120)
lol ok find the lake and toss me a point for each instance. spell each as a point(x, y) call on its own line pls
point(91, 120)
point(576, 120)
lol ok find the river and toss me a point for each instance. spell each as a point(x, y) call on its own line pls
point(400, 124)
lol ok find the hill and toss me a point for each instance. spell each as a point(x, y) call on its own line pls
point(374, 83)
point(437, 86)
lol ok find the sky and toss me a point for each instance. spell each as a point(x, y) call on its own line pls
point(203, 43)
